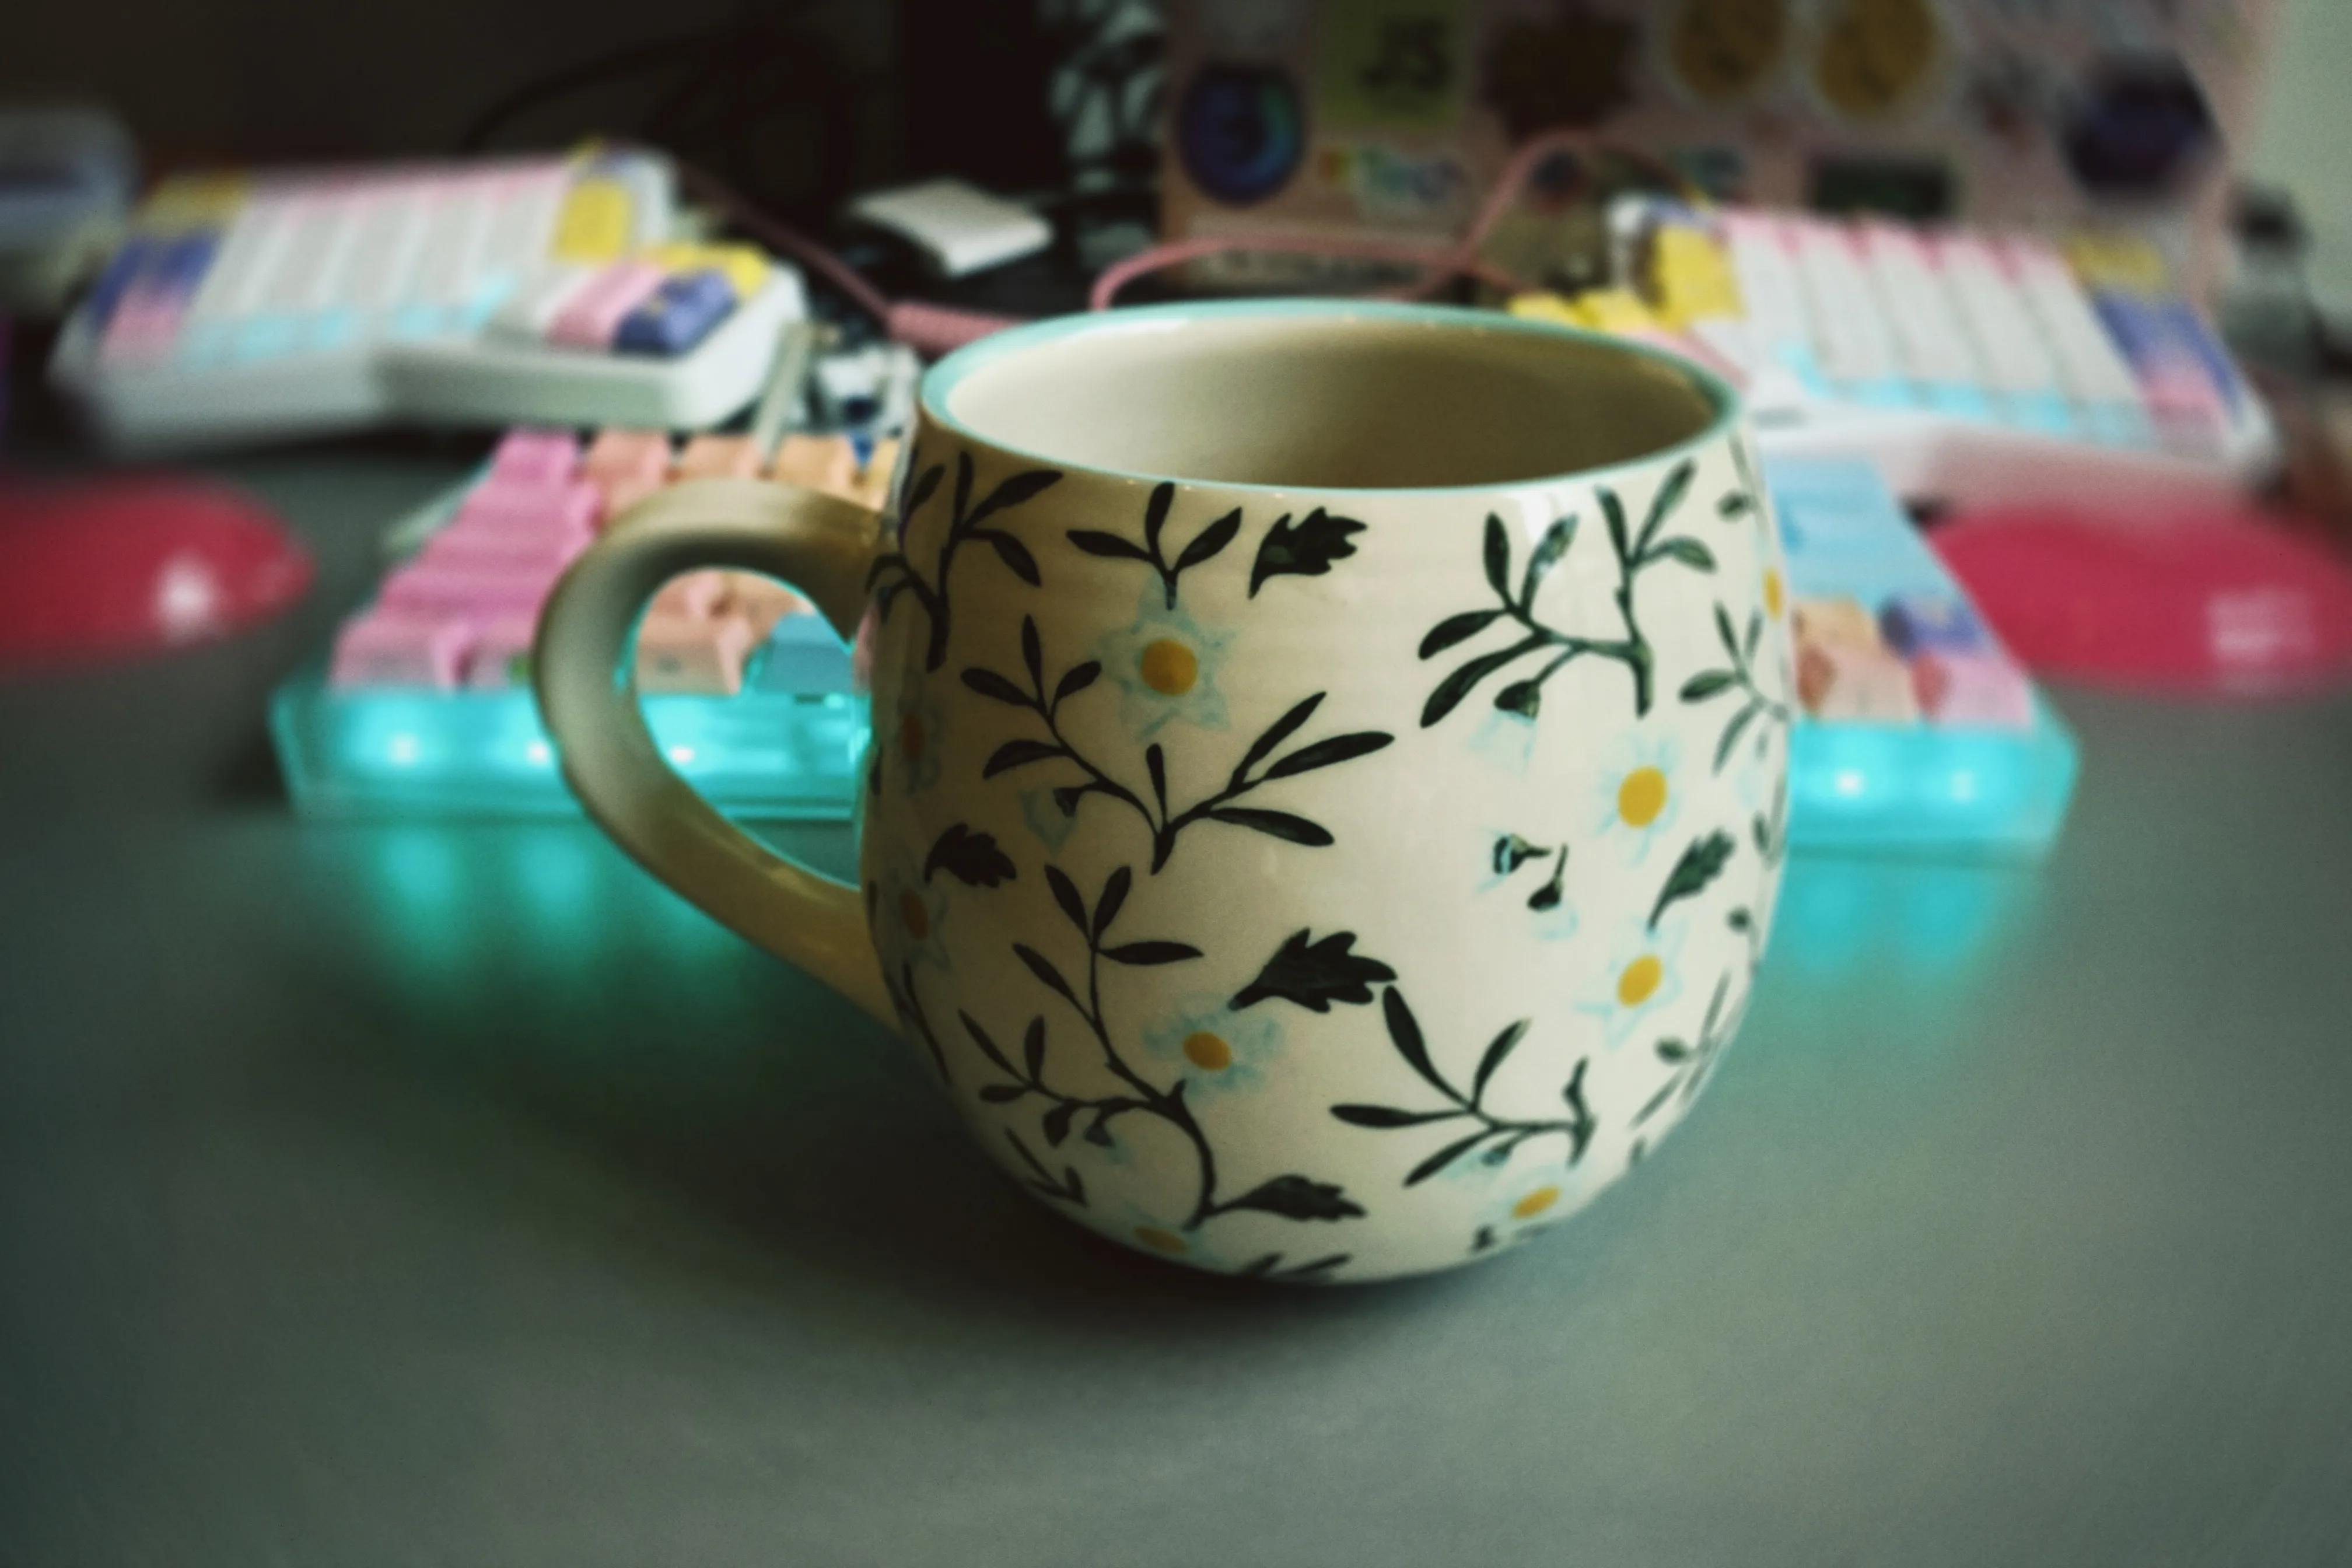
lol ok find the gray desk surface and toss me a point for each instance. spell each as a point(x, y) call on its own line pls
point(411, 1195)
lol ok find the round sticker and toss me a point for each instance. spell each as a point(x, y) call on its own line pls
point(1874, 59)
point(1239, 131)
point(1722, 51)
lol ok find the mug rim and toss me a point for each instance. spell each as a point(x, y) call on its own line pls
point(940, 382)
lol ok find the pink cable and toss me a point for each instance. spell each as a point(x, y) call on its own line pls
point(1461, 259)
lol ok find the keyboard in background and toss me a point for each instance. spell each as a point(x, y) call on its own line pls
point(1972, 368)
point(423, 704)
point(498, 291)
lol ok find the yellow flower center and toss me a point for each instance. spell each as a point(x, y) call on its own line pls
point(1204, 1049)
point(1642, 796)
point(1772, 592)
point(1159, 1240)
point(1536, 1201)
point(910, 738)
point(1170, 668)
point(1639, 980)
point(917, 918)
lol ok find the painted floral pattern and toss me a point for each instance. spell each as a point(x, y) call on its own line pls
point(1153, 853)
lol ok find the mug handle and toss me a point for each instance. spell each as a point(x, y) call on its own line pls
point(820, 544)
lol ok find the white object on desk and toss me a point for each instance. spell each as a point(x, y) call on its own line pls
point(960, 228)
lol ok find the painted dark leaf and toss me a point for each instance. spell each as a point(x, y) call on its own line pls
point(1700, 688)
point(1040, 966)
point(1076, 678)
point(1068, 796)
point(1033, 655)
point(1155, 516)
point(1497, 557)
point(1021, 487)
point(1000, 1094)
point(1140, 953)
point(1731, 733)
point(988, 683)
point(1689, 551)
point(1075, 1189)
point(980, 1037)
point(1444, 1157)
point(1114, 895)
point(1298, 1197)
point(1327, 754)
point(1740, 919)
point(1057, 1125)
point(1723, 629)
point(1672, 1051)
point(1456, 686)
point(1098, 1130)
point(1612, 512)
point(1258, 1267)
point(886, 565)
point(1456, 628)
point(1032, 1050)
point(1484, 1239)
point(1700, 865)
point(1497, 1051)
point(1389, 1115)
point(1739, 503)
point(1305, 551)
point(925, 484)
point(1015, 555)
point(1511, 852)
point(1524, 698)
point(1404, 1033)
point(1321, 1265)
point(971, 858)
point(1754, 635)
point(962, 488)
point(1274, 824)
point(1018, 754)
point(1281, 729)
point(1314, 974)
point(1211, 540)
point(1670, 496)
point(1155, 763)
point(1544, 557)
point(1096, 542)
point(1065, 893)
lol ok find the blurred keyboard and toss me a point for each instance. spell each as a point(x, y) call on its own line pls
point(1971, 367)
point(498, 291)
point(423, 704)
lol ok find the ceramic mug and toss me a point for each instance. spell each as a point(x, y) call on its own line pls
point(1327, 788)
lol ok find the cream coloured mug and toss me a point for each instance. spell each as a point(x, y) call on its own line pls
point(1327, 777)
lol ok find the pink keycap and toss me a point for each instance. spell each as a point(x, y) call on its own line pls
point(821, 462)
point(1839, 680)
point(590, 318)
point(761, 600)
point(719, 458)
point(627, 465)
point(565, 511)
point(682, 653)
point(1972, 689)
point(501, 655)
point(695, 596)
point(431, 587)
point(390, 646)
point(497, 550)
point(536, 458)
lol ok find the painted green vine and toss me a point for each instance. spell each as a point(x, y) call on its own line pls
point(1634, 553)
point(1291, 1196)
point(896, 572)
point(1500, 1134)
point(1741, 677)
point(1165, 822)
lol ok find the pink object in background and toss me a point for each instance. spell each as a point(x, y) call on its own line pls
point(118, 567)
point(388, 646)
point(1971, 688)
point(2220, 604)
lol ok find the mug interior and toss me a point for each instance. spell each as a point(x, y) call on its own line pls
point(1322, 394)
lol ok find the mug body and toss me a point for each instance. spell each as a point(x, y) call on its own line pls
point(1327, 792)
